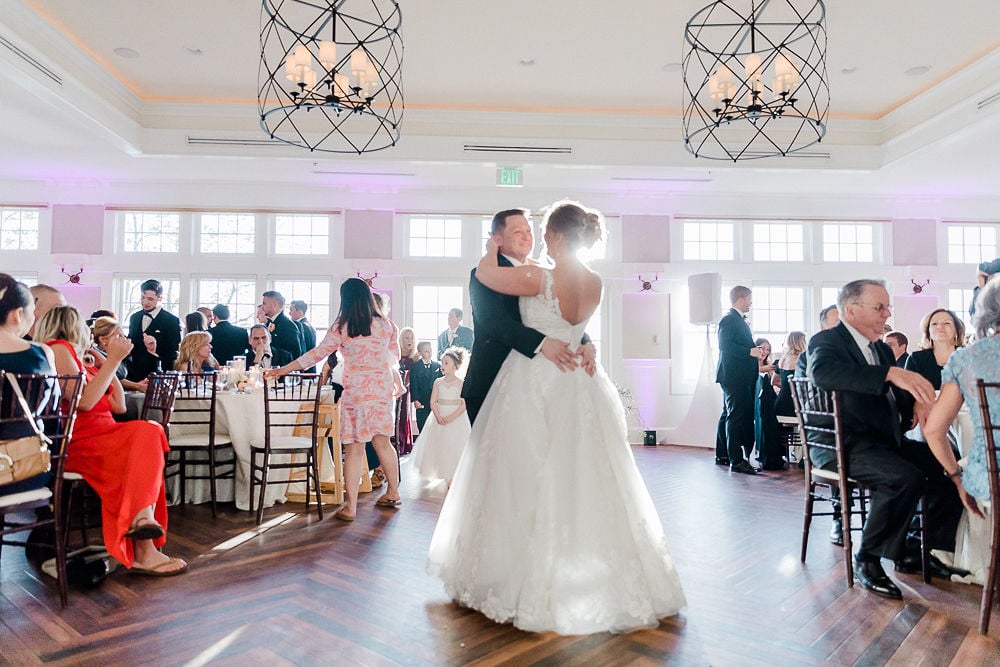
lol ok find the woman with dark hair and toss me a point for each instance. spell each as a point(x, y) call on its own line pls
point(765, 420)
point(17, 314)
point(369, 344)
point(195, 322)
point(943, 333)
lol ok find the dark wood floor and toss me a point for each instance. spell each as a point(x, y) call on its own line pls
point(311, 592)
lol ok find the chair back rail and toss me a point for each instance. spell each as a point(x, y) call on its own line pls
point(990, 429)
point(161, 391)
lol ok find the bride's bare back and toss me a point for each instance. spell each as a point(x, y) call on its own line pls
point(578, 290)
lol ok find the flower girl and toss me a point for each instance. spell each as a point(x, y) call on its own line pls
point(440, 444)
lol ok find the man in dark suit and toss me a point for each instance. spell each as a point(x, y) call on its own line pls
point(455, 335)
point(262, 351)
point(497, 319)
point(878, 403)
point(737, 373)
point(423, 373)
point(297, 312)
point(898, 342)
point(155, 334)
point(285, 335)
point(228, 340)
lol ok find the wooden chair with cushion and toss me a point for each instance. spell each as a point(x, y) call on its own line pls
point(819, 413)
point(990, 430)
point(291, 417)
point(52, 401)
point(193, 438)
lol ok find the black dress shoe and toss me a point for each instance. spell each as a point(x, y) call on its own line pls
point(721, 460)
point(837, 532)
point(743, 467)
point(872, 577)
point(910, 564)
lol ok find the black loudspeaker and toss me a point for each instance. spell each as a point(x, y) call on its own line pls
point(705, 298)
point(649, 438)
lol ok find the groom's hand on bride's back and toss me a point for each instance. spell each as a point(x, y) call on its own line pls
point(558, 352)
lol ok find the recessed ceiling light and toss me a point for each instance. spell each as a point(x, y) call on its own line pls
point(851, 69)
point(527, 62)
point(193, 52)
point(918, 70)
point(672, 67)
point(124, 52)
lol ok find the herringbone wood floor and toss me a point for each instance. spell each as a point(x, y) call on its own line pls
point(324, 592)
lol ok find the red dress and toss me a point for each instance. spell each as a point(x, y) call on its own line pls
point(123, 463)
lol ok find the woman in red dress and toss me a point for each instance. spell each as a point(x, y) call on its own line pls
point(122, 462)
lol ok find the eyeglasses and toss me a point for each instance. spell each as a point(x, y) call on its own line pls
point(880, 308)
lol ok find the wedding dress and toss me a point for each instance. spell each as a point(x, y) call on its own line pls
point(548, 523)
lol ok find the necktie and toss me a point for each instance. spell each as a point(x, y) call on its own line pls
point(872, 355)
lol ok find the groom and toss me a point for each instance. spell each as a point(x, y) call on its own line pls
point(497, 319)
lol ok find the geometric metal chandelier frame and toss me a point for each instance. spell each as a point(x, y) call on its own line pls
point(755, 79)
point(330, 76)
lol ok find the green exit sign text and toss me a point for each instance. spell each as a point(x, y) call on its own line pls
point(509, 177)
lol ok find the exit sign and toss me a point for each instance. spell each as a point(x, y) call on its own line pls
point(509, 177)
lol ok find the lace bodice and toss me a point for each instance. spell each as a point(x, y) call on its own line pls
point(541, 312)
point(449, 392)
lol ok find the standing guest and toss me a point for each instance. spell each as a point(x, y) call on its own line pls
point(877, 406)
point(897, 342)
point(155, 334)
point(407, 357)
point(261, 316)
point(121, 461)
point(765, 421)
point(981, 360)
point(106, 329)
point(984, 272)
point(195, 322)
point(17, 316)
point(297, 312)
point(209, 316)
point(195, 355)
point(423, 372)
point(943, 333)
point(370, 345)
point(455, 335)
point(737, 373)
point(261, 352)
point(285, 335)
point(440, 444)
point(795, 345)
point(46, 298)
point(228, 340)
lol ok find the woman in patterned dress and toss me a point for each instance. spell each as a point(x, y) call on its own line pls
point(368, 342)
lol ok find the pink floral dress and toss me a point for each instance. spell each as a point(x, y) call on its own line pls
point(367, 405)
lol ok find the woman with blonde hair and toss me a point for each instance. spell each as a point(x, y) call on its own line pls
point(407, 356)
point(103, 330)
point(195, 353)
point(122, 462)
point(795, 345)
point(943, 333)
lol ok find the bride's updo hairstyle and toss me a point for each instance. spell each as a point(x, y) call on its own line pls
point(581, 227)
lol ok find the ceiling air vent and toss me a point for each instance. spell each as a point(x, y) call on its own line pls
point(526, 150)
point(219, 141)
point(29, 60)
point(636, 179)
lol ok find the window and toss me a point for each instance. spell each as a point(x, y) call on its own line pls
point(302, 235)
point(844, 242)
point(959, 300)
point(828, 298)
point(18, 229)
point(230, 233)
point(151, 232)
point(240, 294)
point(776, 311)
point(707, 241)
point(431, 304)
point(778, 242)
point(435, 237)
point(971, 244)
point(128, 297)
point(316, 294)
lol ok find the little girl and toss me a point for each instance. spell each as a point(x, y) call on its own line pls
point(441, 441)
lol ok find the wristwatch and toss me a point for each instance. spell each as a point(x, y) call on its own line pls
point(957, 473)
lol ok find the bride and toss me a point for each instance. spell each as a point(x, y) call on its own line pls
point(548, 523)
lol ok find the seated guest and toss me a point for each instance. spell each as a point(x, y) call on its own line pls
point(898, 342)
point(228, 340)
point(17, 316)
point(123, 462)
point(795, 345)
point(958, 385)
point(261, 353)
point(943, 333)
point(104, 329)
point(195, 353)
point(195, 321)
point(46, 298)
point(877, 399)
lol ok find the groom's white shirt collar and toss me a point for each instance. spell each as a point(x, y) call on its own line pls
point(514, 261)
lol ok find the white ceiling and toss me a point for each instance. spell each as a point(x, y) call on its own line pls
point(602, 84)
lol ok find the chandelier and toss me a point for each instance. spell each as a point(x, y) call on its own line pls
point(755, 81)
point(330, 76)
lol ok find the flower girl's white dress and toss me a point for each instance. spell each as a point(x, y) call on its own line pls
point(439, 447)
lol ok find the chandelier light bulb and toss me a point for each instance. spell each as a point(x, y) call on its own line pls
point(328, 55)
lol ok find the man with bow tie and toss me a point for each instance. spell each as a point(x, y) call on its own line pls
point(737, 373)
point(155, 334)
point(423, 373)
point(285, 334)
point(455, 335)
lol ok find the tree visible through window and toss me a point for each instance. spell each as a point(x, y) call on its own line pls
point(150, 231)
point(18, 229)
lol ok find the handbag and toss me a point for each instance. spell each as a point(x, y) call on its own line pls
point(24, 457)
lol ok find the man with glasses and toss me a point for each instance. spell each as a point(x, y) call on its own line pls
point(879, 402)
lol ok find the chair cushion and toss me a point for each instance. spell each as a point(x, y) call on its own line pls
point(285, 442)
point(25, 497)
point(197, 440)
